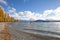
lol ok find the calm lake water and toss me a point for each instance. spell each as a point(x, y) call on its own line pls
point(46, 28)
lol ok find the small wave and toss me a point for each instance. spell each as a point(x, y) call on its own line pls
point(43, 31)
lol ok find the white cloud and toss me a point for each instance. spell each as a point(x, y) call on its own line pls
point(57, 11)
point(47, 12)
point(57, 14)
point(3, 1)
point(27, 15)
point(12, 10)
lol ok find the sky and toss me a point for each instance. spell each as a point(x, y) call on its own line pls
point(32, 9)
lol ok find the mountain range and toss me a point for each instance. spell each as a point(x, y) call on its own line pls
point(40, 21)
point(47, 21)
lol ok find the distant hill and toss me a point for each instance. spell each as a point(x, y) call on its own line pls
point(47, 21)
point(40, 21)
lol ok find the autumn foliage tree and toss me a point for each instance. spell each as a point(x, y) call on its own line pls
point(4, 17)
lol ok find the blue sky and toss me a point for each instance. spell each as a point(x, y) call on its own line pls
point(35, 7)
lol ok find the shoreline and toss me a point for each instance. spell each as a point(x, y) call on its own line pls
point(20, 35)
point(38, 36)
point(9, 33)
point(4, 35)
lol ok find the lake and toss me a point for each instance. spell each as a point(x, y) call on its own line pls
point(43, 28)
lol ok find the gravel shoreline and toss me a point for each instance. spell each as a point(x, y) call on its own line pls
point(4, 35)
